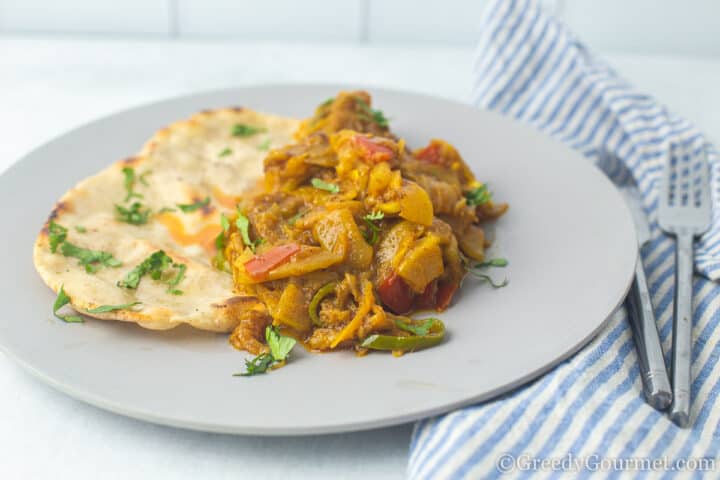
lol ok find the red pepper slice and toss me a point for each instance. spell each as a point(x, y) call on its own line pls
point(372, 151)
point(430, 154)
point(426, 300)
point(396, 294)
point(260, 265)
point(444, 296)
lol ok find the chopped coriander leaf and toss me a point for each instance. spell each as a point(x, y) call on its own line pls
point(112, 308)
point(280, 347)
point(166, 209)
point(90, 259)
point(143, 177)
point(224, 223)
point(219, 260)
point(191, 207)
point(373, 230)
point(243, 130)
point(80, 229)
point(135, 215)
point(243, 225)
point(493, 262)
point(62, 300)
point(478, 196)
point(177, 279)
point(130, 183)
point(155, 265)
point(256, 365)
point(56, 235)
point(373, 216)
point(327, 102)
point(264, 146)
point(482, 276)
point(292, 220)
point(152, 265)
point(379, 118)
point(370, 114)
point(419, 328)
point(225, 152)
point(220, 242)
point(328, 187)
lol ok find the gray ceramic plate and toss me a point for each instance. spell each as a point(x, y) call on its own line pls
point(568, 236)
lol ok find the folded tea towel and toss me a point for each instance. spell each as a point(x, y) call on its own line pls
point(588, 413)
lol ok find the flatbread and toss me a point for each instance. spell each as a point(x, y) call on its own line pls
point(185, 163)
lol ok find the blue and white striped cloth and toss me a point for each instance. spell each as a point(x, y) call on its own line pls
point(531, 67)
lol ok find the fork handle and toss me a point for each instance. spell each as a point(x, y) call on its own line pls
point(682, 330)
point(653, 371)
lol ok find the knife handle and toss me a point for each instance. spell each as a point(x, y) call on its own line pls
point(682, 330)
point(656, 384)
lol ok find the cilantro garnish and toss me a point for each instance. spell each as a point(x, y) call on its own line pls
point(224, 223)
point(142, 178)
point(130, 183)
point(257, 365)
point(191, 207)
point(280, 347)
point(135, 215)
point(62, 300)
point(327, 102)
point(112, 308)
point(155, 265)
point(243, 130)
point(219, 260)
point(371, 234)
point(493, 262)
point(243, 225)
point(172, 283)
point(482, 276)
point(420, 329)
point(80, 229)
point(370, 114)
point(166, 209)
point(56, 235)
point(328, 187)
point(264, 146)
point(225, 152)
point(478, 196)
point(90, 259)
point(292, 220)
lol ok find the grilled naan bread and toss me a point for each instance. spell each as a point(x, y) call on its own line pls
point(214, 154)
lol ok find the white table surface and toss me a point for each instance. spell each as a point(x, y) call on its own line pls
point(50, 84)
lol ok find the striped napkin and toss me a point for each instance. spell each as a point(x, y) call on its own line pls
point(588, 411)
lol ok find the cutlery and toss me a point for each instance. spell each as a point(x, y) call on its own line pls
point(653, 371)
point(684, 212)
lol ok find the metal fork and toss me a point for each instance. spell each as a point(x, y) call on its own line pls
point(684, 212)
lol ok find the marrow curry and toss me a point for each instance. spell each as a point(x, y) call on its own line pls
point(349, 232)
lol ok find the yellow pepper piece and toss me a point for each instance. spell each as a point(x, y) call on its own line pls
point(422, 263)
point(366, 304)
point(415, 204)
point(291, 310)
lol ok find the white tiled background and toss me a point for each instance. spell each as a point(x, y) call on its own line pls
point(688, 27)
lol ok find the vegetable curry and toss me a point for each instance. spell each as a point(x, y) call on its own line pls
point(350, 232)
